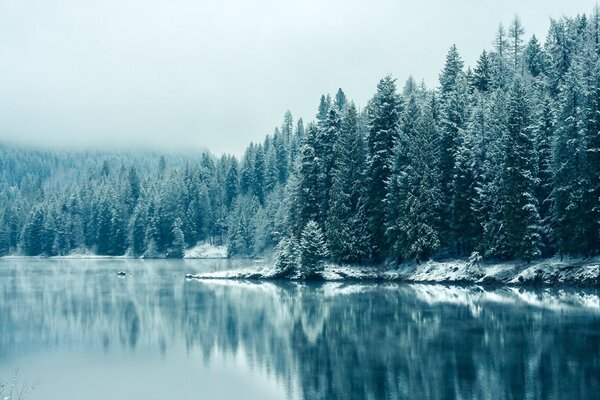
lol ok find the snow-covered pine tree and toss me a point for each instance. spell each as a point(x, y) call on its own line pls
point(177, 248)
point(340, 101)
point(463, 220)
point(286, 257)
point(398, 184)
point(519, 203)
point(416, 229)
point(482, 73)
point(534, 58)
point(384, 117)
point(307, 186)
point(455, 100)
point(137, 230)
point(313, 251)
point(324, 151)
point(544, 138)
point(489, 177)
point(346, 233)
point(231, 182)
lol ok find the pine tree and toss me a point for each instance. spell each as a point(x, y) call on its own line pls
point(384, 117)
point(515, 33)
point(231, 182)
point(398, 185)
point(286, 127)
point(31, 236)
point(454, 119)
point(241, 233)
point(346, 232)
point(313, 251)
point(103, 228)
point(308, 182)
point(258, 181)
point(544, 138)
point(415, 229)
point(464, 223)
point(453, 68)
point(488, 203)
point(592, 171)
point(558, 48)
point(137, 230)
point(286, 257)
point(281, 158)
point(482, 73)
point(324, 107)
point(501, 43)
point(534, 57)
point(520, 208)
point(118, 233)
point(324, 151)
point(177, 249)
point(134, 189)
point(340, 100)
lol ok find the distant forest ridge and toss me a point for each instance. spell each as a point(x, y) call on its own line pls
point(502, 159)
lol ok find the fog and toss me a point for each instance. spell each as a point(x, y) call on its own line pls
point(184, 74)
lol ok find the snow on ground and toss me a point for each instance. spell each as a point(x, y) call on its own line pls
point(549, 272)
point(206, 250)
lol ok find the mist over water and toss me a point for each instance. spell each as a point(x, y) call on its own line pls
point(81, 331)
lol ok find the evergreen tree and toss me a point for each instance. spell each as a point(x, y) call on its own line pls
point(384, 117)
point(137, 230)
point(346, 232)
point(534, 57)
point(308, 182)
point(134, 188)
point(258, 182)
point(482, 73)
point(515, 33)
point(520, 208)
point(31, 236)
point(415, 229)
point(313, 251)
point(454, 119)
point(544, 138)
point(286, 257)
point(340, 100)
point(177, 249)
point(501, 43)
point(324, 151)
point(231, 183)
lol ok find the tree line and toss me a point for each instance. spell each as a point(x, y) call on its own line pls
point(501, 159)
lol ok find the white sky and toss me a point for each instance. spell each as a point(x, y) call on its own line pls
point(181, 74)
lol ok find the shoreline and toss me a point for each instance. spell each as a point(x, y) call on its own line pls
point(548, 273)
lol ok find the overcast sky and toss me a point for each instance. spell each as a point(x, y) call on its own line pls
point(191, 74)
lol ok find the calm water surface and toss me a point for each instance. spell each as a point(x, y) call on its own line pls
point(78, 331)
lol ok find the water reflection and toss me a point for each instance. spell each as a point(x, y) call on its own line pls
point(328, 341)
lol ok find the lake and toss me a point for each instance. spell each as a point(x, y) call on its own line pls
point(76, 330)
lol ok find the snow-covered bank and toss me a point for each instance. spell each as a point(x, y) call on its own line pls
point(206, 250)
point(549, 272)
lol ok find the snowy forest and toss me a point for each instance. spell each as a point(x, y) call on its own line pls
point(502, 158)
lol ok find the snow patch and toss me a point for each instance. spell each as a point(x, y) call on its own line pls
point(206, 250)
point(549, 272)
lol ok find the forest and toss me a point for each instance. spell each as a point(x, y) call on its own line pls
point(501, 158)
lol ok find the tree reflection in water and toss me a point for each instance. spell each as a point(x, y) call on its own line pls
point(331, 341)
